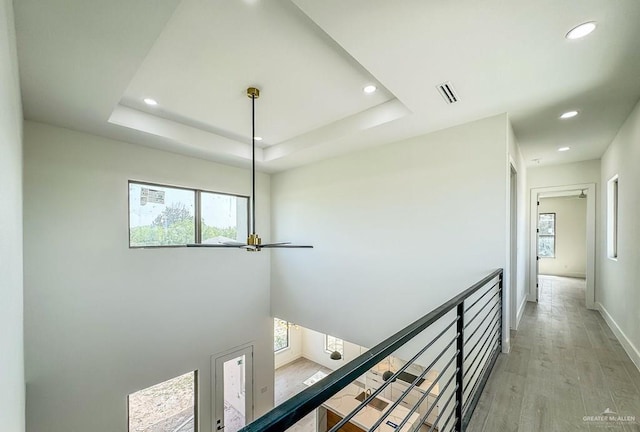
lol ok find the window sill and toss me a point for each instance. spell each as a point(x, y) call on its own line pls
point(280, 351)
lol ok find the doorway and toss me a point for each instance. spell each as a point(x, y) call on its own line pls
point(548, 241)
point(233, 389)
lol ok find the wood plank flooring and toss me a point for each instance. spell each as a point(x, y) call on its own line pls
point(565, 364)
point(289, 381)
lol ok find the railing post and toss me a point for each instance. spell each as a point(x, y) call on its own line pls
point(501, 309)
point(460, 365)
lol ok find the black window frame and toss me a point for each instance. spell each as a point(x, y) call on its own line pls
point(287, 324)
point(613, 198)
point(196, 400)
point(327, 349)
point(197, 214)
point(540, 235)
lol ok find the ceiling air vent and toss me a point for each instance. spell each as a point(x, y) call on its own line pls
point(447, 92)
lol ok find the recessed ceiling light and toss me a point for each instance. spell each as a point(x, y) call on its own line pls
point(257, 138)
point(370, 89)
point(582, 30)
point(151, 102)
point(564, 149)
point(569, 114)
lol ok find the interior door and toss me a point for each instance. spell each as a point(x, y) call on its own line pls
point(233, 390)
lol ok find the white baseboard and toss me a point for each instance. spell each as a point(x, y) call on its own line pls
point(279, 363)
point(628, 346)
point(523, 304)
point(566, 274)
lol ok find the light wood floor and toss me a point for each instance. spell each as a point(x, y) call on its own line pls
point(565, 364)
point(289, 379)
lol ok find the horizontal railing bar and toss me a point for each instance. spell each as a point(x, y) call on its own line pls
point(481, 309)
point(453, 412)
point(482, 353)
point(489, 328)
point(493, 346)
point(435, 401)
point(477, 329)
point(480, 298)
point(422, 398)
point(477, 382)
point(469, 380)
point(444, 408)
point(475, 395)
point(388, 382)
point(492, 339)
point(291, 411)
point(406, 392)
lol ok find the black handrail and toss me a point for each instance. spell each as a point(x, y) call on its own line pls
point(291, 411)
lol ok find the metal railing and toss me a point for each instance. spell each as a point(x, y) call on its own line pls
point(451, 353)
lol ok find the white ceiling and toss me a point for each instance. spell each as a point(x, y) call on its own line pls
point(87, 65)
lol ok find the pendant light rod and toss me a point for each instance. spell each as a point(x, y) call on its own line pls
point(253, 93)
point(254, 242)
point(253, 163)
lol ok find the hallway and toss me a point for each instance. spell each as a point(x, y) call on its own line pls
point(565, 365)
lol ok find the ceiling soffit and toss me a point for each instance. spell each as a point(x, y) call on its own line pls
point(210, 52)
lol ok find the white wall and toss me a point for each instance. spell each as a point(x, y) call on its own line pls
point(571, 237)
point(12, 403)
point(294, 351)
point(307, 343)
point(103, 320)
point(313, 349)
point(398, 230)
point(564, 174)
point(619, 280)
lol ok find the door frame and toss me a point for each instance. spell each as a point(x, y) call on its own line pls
point(590, 291)
point(217, 388)
point(513, 269)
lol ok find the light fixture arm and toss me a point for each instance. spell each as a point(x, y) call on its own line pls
point(253, 239)
point(253, 95)
point(254, 242)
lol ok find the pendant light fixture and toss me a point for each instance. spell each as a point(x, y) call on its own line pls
point(582, 194)
point(254, 242)
point(387, 374)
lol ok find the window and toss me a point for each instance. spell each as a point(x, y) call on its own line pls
point(547, 235)
point(612, 217)
point(332, 344)
point(280, 334)
point(166, 407)
point(172, 216)
point(224, 217)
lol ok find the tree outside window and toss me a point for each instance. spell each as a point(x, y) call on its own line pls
point(547, 235)
point(332, 343)
point(280, 334)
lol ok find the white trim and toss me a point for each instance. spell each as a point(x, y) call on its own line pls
point(217, 384)
point(512, 248)
point(630, 349)
point(520, 312)
point(612, 218)
point(567, 274)
point(590, 292)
